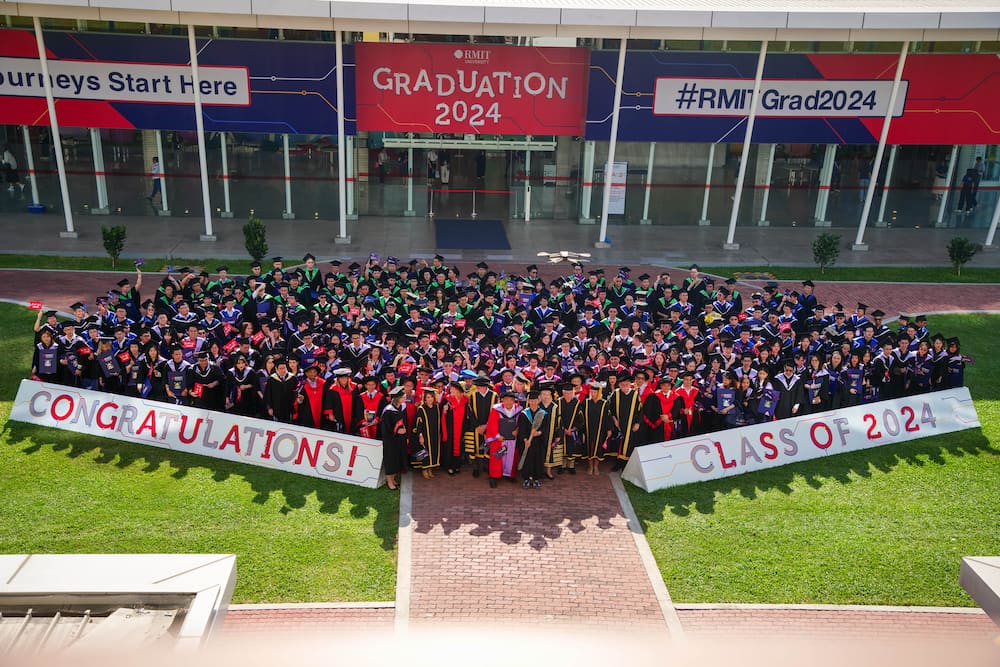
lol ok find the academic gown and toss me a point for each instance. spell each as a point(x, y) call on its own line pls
point(790, 394)
point(657, 415)
point(343, 409)
point(571, 419)
point(534, 452)
point(477, 413)
point(428, 427)
point(552, 437)
point(393, 429)
point(687, 419)
point(501, 439)
point(816, 387)
point(596, 428)
point(279, 394)
point(240, 388)
point(308, 409)
point(455, 414)
point(628, 409)
point(212, 398)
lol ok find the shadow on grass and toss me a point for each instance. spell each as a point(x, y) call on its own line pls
point(295, 489)
point(700, 498)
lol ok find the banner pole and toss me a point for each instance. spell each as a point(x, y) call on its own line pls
point(859, 241)
point(342, 238)
point(206, 201)
point(602, 237)
point(730, 243)
point(70, 232)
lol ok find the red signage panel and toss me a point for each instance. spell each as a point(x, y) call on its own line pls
point(471, 88)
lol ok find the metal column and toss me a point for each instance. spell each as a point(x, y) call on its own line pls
point(609, 166)
point(947, 189)
point(859, 243)
point(341, 238)
point(825, 178)
point(228, 211)
point(206, 201)
point(763, 221)
point(287, 214)
point(409, 212)
point(352, 178)
point(30, 157)
point(70, 232)
point(649, 185)
point(993, 227)
point(527, 185)
point(587, 181)
point(704, 221)
point(730, 243)
point(99, 174)
point(882, 222)
point(164, 208)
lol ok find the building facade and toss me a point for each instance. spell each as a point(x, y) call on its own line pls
point(611, 114)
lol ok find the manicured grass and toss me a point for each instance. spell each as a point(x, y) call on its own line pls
point(902, 274)
point(882, 526)
point(297, 539)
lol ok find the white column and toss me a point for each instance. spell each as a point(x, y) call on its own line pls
point(859, 243)
point(70, 232)
point(730, 243)
point(993, 227)
point(612, 144)
point(649, 185)
point(409, 212)
point(527, 185)
point(287, 214)
point(587, 190)
point(227, 212)
point(763, 222)
point(352, 177)
point(825, 178)
point(30, 157)
point(342, 238)
point(206, 202)
point(947, 187)
point(97, 148)
point(164, 207)
point(882, 222)
point(704, 221)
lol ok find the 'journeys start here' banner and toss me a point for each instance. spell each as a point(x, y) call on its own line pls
point(287, 447)
point(114, 81)
point(735, 451)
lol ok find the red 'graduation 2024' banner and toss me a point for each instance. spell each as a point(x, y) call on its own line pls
point(471, 88)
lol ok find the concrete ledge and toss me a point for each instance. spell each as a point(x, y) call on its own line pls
point(208, 237)
point(342, 240)
point(694, 606)
point(68, 235)
point(312, 605)
point(980, 577)
point(730, 246)
point(859, 247)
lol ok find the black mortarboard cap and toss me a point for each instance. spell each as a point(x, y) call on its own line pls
point(123, 282)
point(808, 283)
point(862, 306)
point(877, 313)
point(277, 258)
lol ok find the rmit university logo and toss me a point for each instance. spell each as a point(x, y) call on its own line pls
point(473, 56)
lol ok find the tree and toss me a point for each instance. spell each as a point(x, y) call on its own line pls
point(826, 250)
point(114, 241)
point(255, 235)
point(960, 251)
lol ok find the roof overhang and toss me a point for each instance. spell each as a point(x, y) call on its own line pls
point(823, 20)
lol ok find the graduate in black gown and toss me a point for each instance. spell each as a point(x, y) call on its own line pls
point(531, 445)
point(393, 431)
point(596, 428)
point(279, 392)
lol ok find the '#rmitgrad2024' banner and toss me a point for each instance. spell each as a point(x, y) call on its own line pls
point(726, 453)
point(296, 449)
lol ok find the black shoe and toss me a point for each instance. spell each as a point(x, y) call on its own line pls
point(475, 471)
point(493, 483)
point(560, 471)
point(537, 484)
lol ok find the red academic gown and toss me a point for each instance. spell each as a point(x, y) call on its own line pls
point(309, 410)
point(656, 405)
point(372, 404)
point(454, 420)
point(494, 439)
point(343, 406)
point(686, 399)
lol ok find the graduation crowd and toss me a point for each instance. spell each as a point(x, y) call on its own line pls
point(507, 375)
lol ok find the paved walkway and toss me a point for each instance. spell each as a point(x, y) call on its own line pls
point(414, 237)
point(560, 555)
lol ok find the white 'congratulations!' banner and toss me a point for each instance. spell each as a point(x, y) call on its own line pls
point(268, 444)
point(733, 452)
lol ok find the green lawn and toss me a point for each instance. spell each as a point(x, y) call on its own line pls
point(882, 526)
point(297, 539)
